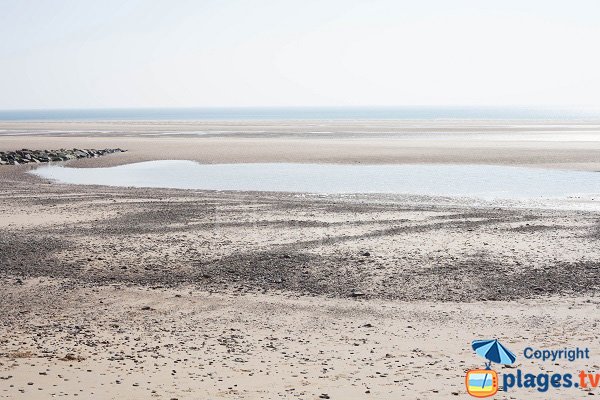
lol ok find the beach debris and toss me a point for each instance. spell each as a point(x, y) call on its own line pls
point(357, 293)
point(26, 156)
point(72, 357)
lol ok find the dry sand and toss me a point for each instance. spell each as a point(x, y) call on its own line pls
point(113, 293)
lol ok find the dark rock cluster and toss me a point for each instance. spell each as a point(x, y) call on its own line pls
point(26, 156)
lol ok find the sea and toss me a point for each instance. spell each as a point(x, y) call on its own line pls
point(304, 113)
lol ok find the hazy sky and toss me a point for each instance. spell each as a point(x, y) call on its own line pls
point(147, 53)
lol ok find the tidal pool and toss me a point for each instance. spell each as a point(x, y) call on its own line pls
point(487, 182)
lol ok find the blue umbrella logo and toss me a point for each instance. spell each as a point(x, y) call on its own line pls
point(493, 351)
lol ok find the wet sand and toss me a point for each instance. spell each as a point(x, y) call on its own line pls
point(544, 144)
point(154, 293)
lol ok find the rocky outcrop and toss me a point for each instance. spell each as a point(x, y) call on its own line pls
point(26, 156)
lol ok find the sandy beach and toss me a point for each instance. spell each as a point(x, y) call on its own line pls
point(111, 293)
point(565, 145)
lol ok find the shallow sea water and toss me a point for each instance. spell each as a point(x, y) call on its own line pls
point(486, 182)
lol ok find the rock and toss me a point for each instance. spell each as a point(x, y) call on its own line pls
point(366, 254)
point(26, 156)
point(71, 357)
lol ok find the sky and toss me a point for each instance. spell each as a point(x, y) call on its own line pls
point(204, 53)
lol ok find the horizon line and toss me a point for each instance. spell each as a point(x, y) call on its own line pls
point(222, 107)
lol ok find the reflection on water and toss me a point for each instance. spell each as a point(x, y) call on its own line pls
point(481, 181)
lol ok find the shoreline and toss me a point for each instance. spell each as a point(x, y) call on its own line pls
point(356, 218)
